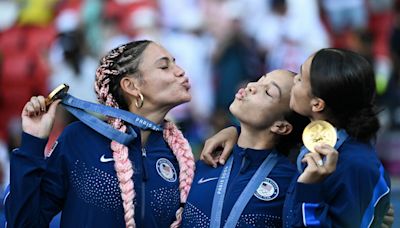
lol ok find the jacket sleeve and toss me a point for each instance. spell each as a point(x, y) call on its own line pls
point(343, 201)
point(36, 189)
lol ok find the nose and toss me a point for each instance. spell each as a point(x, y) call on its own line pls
point(251, 87)
point(179, 72)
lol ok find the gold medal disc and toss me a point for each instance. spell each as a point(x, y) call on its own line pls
point(318, 132)
point(57, 93)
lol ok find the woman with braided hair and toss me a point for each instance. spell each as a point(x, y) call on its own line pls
point(98, 182)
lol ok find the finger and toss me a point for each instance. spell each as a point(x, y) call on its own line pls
point(384, 225)
point(225, 153)
point(317, 158)
point(206, 155)
point(390, 211)
point(311, 164)
point(42, 103)
point(210, 160)
point(28, 109)
point(324, 149)
point(388, 220)
point(35, 105)
point(331, 156)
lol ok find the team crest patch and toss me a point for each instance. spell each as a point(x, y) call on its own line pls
point(166, 170)
point(267, 191)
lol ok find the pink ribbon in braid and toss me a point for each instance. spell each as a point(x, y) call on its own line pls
point(123, 166)
point(183, 153)
point(124, 169)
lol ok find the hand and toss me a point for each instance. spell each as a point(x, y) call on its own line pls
point(36, 120)
point(317, 169)
point(225, 139)
point(388, 219)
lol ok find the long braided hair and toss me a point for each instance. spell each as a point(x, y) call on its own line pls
point(119, 62)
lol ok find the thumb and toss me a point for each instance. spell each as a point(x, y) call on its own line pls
point(53, 107)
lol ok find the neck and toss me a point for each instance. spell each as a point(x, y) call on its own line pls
point(255, 138)
point(321, 116)
point(156, 117)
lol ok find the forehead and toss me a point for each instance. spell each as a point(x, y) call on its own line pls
point(152, 53)
point(305, 69)
point(281, 77)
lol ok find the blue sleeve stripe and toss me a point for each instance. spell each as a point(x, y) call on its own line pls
point(309, 212)
point(6, 193)
point(381, 189)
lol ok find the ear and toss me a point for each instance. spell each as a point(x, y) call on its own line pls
point(317, 104)
point(130, 86)
point(281, 127)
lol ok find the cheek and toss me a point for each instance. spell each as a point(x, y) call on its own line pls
point(296, 99)
point(294, 95)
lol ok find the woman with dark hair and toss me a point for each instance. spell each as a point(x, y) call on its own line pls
point(98, 182)
point(350, 187)
point(250, 189)
point(341, 186)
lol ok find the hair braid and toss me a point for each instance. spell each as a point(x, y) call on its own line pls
point(118, 63)
point(183, 153)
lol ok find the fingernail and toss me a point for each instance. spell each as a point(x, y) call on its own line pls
point(215, 166)
point(320, 163)
point(222, 161)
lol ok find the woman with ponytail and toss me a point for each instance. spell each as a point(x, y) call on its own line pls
point(341, 186)
point(98, 182)
point(345, 186)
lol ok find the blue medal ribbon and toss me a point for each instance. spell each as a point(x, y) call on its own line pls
point(80, 108)
point(219, 195)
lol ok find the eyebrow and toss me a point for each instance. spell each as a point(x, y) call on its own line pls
point(279, 88)
point(165, 59)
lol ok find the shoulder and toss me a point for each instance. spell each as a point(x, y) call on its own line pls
point(78, 131)
point(358, 161)
point(355, 154)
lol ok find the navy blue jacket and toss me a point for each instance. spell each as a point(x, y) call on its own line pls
point(264, 208)
point(79, 179)
point(357, 194)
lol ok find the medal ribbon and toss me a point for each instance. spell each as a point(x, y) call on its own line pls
point(80, 109)
point(219, 195)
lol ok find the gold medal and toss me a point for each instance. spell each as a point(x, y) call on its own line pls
point(57, 93)
point(318, 132)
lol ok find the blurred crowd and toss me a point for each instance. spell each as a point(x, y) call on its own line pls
point(221, 44)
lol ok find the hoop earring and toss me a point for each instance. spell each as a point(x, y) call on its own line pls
point(139, 104)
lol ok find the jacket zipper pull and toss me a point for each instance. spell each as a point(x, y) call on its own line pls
point(144, 165)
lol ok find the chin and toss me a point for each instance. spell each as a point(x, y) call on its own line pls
point(187, 99)
point(234, 109)
point(184, 98)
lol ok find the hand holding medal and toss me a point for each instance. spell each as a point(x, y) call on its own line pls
point(38, 114)
point(319, 137)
